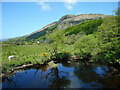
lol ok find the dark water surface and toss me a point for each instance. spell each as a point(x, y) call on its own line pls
point(65, 75)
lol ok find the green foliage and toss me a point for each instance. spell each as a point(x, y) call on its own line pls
point(86, 45)
point(109, 40)
point(63, 55)
point(87, 27)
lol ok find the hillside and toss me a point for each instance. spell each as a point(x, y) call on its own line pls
point(62, 23)
point(93, 40)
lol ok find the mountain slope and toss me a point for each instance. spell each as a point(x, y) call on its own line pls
point(62, 23)
point(65, 21)
point(42, 31)
point(74, 20)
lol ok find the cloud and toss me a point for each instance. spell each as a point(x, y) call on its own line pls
point(70, 3)
point(69, 7)
point(44, 6)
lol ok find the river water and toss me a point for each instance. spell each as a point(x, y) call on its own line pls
point(65, 75)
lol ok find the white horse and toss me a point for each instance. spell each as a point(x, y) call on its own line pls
point(11, 57)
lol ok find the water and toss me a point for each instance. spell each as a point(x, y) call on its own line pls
point(65, 75)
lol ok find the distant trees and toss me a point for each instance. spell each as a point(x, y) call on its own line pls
point(118, 11)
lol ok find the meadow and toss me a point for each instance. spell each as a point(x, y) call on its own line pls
point(23, 55)
point(27, 54)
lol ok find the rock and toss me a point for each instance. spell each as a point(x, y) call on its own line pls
point(68, 62)
point(52, 64)
point(2, 75)
point(74, 57)
point(23, 66)
point(70, 20)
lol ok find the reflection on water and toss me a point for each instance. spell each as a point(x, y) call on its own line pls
point(101, 70)
point(65, 75)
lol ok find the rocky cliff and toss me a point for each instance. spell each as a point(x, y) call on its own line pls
point(73, 20)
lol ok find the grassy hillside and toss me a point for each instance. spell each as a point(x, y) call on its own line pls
point(91, 40)
point(62, 23)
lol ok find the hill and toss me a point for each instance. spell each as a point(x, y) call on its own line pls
point(67, 20)
point(62, 23)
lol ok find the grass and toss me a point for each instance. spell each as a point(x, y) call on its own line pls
point(25, 54)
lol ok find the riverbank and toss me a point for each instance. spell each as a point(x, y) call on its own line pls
point(19, 67)
point(68, 59)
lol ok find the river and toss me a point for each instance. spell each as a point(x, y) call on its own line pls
point(71, 74)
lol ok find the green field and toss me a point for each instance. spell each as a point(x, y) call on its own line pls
point(25, 54)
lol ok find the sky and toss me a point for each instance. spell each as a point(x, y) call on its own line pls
point(21, 18)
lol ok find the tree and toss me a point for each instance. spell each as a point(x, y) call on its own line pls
point(109, 40)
